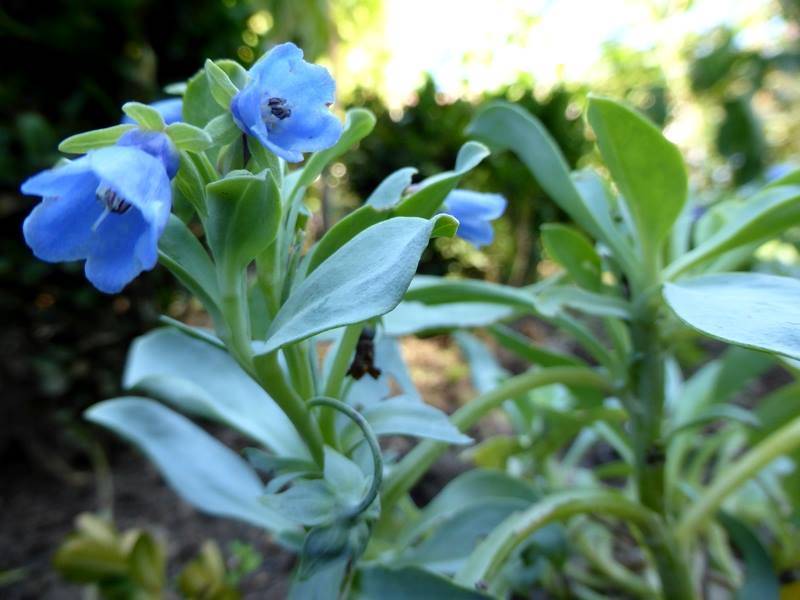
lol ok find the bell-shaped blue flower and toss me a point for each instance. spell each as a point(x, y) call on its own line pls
point(171, 110)
point(285, 104)
point(109, 207)
point(475, 211)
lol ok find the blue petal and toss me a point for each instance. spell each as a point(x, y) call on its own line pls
point(155, 143)
point(277, 63)
point(477, 233)
point(304, 85)
point(171, 110)
point(137, 177)
point(307, 131)
point(308, 91)
point(123, 246)
point(60, 227)
point(59, 181)
point(466, 204)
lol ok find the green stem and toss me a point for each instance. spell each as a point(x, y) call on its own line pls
point(645, 402)
point(236, 315)
point(491, 554)
point(374, 447)
point(300, 369)
point(413, 466)
point(343, 354)
point(270, 375)
point(781, 442)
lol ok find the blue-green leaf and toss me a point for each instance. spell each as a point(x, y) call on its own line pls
point(758, 219)
point(385, 583)
point(432, 191)
point(365, 278)
point(760, 578)
point(749, 309)
point(415, 317)
point(201, 470)
point(181, 252)
point(164, 364)
point(244, 212)
point(388, 193)
point(406, 415)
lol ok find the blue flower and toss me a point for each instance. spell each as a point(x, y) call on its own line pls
point(171, 110)
point(109, 207)
point(474, 211)
point(285, 104)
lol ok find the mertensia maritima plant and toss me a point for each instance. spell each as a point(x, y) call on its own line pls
point(695, 493)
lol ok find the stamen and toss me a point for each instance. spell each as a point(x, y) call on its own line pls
point(101, 218)
point(277, 107)
point(113, 202)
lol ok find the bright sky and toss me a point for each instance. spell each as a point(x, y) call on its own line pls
point(551, 39)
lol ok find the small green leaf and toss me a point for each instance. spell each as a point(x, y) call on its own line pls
point(220, 86)
point(433, 190)
point(244, 212)
point(148, 563)
point(188, 137)
point(647, 169)
point(176, 89)
point(199, 106)
point(146, 116)
point(191, 184)
point(324, 300)
point(222, 129)
point(572, 250)
point(749, 309)
point(445, 226)
point(99, 138)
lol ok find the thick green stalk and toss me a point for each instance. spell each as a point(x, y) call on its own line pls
point(779, 443)
point(413, 466)
point(343, 354)
point(645, 402)
point(271, 377)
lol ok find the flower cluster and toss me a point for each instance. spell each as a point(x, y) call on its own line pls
point(110, 207)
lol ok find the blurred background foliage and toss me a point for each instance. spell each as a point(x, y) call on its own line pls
point(719, 76)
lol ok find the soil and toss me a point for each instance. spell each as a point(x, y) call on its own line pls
point(37, 510)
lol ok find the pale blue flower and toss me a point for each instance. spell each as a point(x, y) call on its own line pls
point(475, 211)
point(109, 207)
point(285, 104)
point(171, 110)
